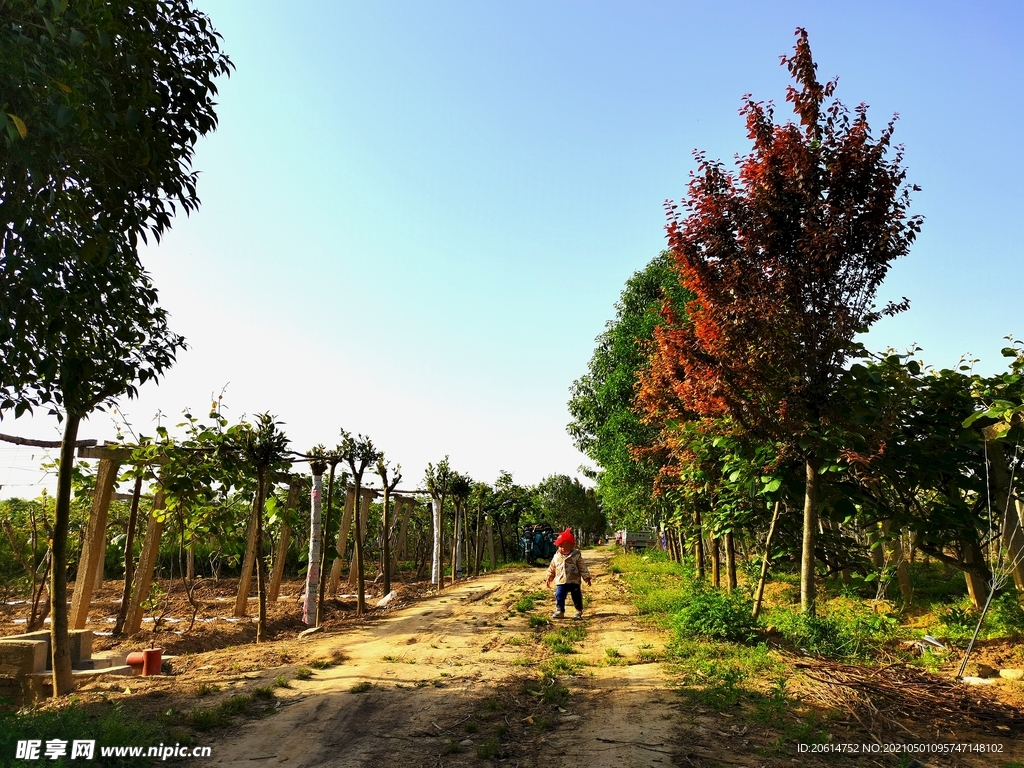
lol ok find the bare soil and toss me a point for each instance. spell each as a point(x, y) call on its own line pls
point(456, 679)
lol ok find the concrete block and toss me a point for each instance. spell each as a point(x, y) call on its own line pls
point(22, 657)
point(81, 645)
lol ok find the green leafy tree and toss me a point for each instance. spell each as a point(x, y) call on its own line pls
point(605, 424)
point(102, 104)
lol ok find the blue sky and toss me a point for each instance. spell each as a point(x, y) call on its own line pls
point(417, 216)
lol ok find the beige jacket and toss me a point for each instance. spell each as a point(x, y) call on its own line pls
point(568, 569)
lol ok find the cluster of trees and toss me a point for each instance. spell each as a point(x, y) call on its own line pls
point(102, 104)
point(730, 390)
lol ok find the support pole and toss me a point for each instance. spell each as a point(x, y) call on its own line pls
point(94, 545)
point(147, 561)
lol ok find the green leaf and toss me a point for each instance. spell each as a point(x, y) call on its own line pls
point(76, 38)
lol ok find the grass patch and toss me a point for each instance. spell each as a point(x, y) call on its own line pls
point(282, 682)
point(362, 687)
point(538, 621)
point(303, 673)
point(117, 726)
point(205, 689)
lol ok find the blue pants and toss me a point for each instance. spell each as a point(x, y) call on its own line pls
point(568, 589)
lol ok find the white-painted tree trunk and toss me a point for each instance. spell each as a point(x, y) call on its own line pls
point(313, 570)
point(435, 567)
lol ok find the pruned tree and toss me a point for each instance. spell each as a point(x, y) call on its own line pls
point(438, 481)
point(359, 453)
point(264, 448)
point(389, 485)
point(784, 259)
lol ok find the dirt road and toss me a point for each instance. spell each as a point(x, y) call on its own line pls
point(470, 678)
point(455, 678)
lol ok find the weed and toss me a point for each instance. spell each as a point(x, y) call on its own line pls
point(470, 726)
point(514, 640)
point(266, 691)
point(525, 605)
point(556, 695)
point(362, 687)
point(493, 705)
point(559, 666)
point(522, 662)
point(487, 750)
point(205, 719)
point(538, 621)
point(501, 730)
point(452, 747)
point(205, 689)
point(714, 614)
point(323, 664)
point(303, 673)
point(612, 653)
point(390, 659)
point(282, 682)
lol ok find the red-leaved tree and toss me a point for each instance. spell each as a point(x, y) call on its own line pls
point(784, 258)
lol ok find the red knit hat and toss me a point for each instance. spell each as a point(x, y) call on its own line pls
point(566, 537)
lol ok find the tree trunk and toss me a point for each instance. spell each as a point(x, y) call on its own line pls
point(977, 586)
point(698, 545)
point(385, 544)
point(1006, 512)
point(490, 544)
point(326, 536)
point(310, 603)
point(730, 562)
point(899, 560)
point(759, 594)
point(359, 532)
point(437, 557)
point(129, 557)
point(262, 482)
point(360, 578)
point(60, 642)
point(716, 562)
point(479, 539)
point(456, 552)
point(808, 595)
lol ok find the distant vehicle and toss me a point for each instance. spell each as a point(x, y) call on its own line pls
point(633, 540)
point(538, 542)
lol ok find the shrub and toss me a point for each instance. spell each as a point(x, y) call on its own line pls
point(714, 614)
point(816, 635)
point(1007, 615)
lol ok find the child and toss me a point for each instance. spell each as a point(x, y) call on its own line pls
point(566, 569)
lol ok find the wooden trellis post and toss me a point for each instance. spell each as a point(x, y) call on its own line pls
point(285, 539)
point(94, 546)
point(147, 561)
point(245, 578)
point(367, 495)
point(342, 543)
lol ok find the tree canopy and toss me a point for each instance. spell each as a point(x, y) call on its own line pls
point(784, 258)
